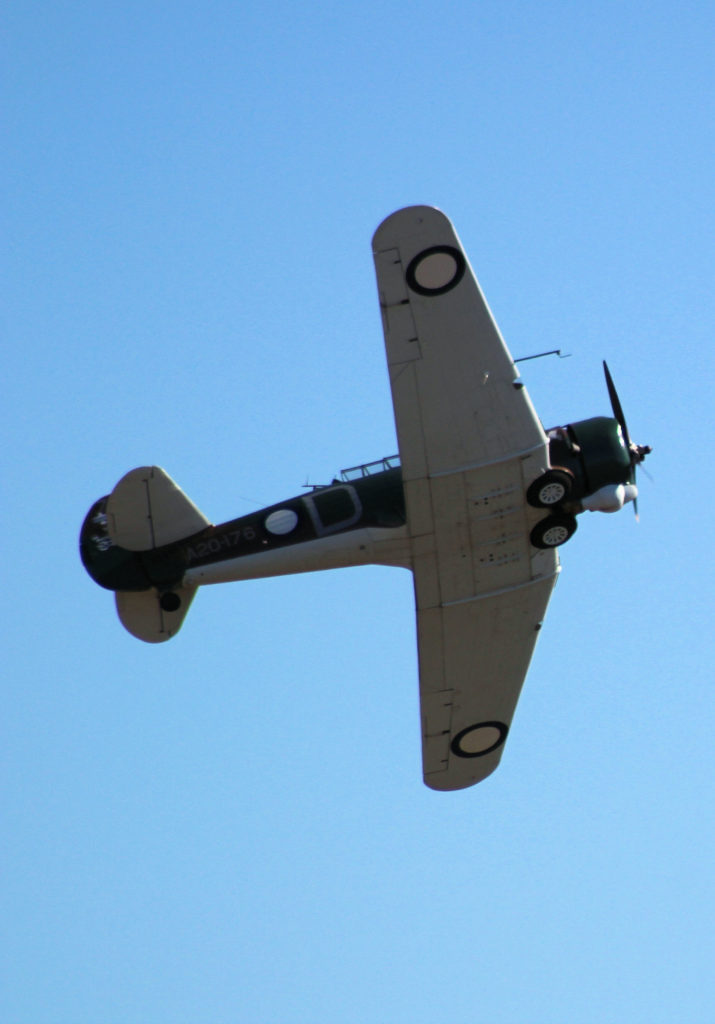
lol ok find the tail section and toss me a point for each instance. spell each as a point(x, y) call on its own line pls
point(119, 545)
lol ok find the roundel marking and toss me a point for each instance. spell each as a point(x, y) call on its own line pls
point(436, 270)
point(281, 522)
point(480, 739)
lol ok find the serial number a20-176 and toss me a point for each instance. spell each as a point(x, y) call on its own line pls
point(221, 542)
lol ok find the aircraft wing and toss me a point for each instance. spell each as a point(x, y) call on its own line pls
point(470, 444)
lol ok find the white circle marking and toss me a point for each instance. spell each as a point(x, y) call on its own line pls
point(282, 521)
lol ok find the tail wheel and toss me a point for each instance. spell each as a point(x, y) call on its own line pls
point(550, 489)
point(169, 601)
point(553, 531)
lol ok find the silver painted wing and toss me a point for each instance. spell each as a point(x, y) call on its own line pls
point(470, 444)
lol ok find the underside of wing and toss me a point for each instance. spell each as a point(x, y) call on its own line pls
point(456, 392)
point(474, 657)
point(470, 445)
point(481, 592)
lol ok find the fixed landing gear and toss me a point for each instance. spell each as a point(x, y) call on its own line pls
point(553, 531)
point(550, 489)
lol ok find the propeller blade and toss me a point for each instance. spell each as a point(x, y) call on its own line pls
point(637, 452)
point(616, 404)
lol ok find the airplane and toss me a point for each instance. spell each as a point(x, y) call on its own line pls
point(475, 505)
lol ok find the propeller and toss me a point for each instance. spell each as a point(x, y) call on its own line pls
point(637, 452)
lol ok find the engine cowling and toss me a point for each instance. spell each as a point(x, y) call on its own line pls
point(594, 452)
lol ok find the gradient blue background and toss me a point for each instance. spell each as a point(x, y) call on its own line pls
point(232, 827)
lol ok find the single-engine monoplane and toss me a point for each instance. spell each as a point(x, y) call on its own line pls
point(476, 504)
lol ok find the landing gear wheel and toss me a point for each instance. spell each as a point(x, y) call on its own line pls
point(553, 531)
point(550, 489)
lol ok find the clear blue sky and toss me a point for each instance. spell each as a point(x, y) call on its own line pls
point(232, 827)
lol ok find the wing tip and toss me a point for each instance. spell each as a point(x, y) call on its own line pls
point(449, 781)
point(407, 221)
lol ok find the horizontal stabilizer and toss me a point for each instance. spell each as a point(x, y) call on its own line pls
point(142, 614)
point(147, 510)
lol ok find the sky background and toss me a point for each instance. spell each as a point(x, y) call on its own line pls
point(232, 827)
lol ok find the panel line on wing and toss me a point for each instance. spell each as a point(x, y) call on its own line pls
point(511, 457)
point(502, 590)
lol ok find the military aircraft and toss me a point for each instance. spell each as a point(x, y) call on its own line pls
point(476, 505)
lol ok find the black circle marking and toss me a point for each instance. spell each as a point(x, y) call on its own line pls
point(439, 289)
point(457, 748)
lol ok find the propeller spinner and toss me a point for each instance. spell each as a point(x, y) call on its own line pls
point(637, 452)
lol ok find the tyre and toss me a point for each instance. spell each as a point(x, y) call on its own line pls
point(550, 489)
point(553, 531)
